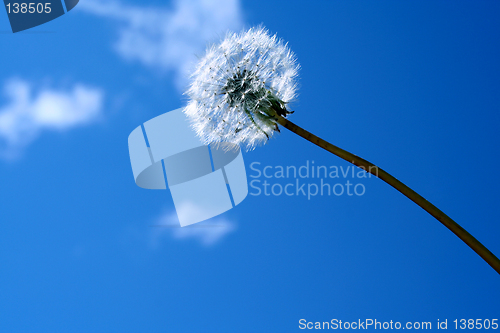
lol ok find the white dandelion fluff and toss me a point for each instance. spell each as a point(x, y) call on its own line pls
point(238, 87)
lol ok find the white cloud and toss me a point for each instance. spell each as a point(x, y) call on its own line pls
point(168, 38)
point(207, 232)
point(27, 114)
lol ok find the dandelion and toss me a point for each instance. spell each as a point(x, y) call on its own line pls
point(238, 87)
point(240, 93)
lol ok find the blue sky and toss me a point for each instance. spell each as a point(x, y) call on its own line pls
point(411, 86)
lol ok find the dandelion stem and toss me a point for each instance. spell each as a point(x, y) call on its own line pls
point(473, 243)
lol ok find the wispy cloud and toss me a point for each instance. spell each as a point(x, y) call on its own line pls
point(168, 38)
point(28, 112)
point(207, 232)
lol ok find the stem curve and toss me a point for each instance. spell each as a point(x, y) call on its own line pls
point(454, 227)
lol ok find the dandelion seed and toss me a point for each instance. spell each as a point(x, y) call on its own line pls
point(245, 78)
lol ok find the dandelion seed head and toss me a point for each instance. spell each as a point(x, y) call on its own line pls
point(237, 83)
